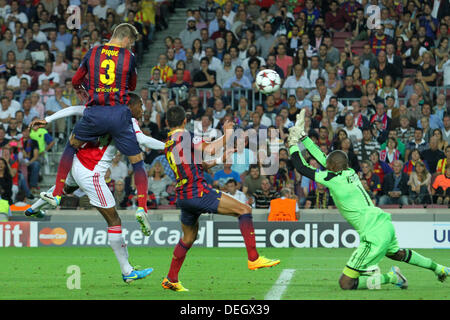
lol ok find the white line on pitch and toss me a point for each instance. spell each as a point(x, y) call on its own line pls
point(280, 286)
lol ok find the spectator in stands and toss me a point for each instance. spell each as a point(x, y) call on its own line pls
point(221, 177)
point(378, 40)
point(120, 196)
point(54, 104)
point(166, 72)
point(49, 75)
point(225, 71)
point(158, 182)
point(30, 153)
point(381, 116)
point(238, 80)
point(372, 180)
point(29, 113)
point(264, 195)
point(364, 148)
point(440, 107)
point(442, 144)
point(413, 56)
point(206, 129)
point(12, 133)
point(349, 91)
point(353, 132)
point(45, 91)
point(419, 185)
point(432, 154)
point(418, 142)
point(205, 78)
point(118, 168)
point(391, 153)
point(442, 163)
point(265, 42)
point(252, 181)
point(14, 81)
point(189, 34)
point(440, 189)
point(243, 158)
point(446, 129)
point(5, 181)
point(395, 186)
point(400, 145)
point(192, 64)
point(405, 132)
point(380, 168)
point(337, 19)
point(410, 165)
point(434, 121)
point(231, 188)
point(356, 64)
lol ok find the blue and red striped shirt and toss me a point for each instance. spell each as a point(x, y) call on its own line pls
point(110, 74)
point(183, 152)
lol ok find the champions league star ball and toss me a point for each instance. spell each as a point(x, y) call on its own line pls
point(268, 81)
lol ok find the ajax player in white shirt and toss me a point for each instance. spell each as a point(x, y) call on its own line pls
point(90, 164)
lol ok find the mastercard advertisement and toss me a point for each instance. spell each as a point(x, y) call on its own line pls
point(49, 236)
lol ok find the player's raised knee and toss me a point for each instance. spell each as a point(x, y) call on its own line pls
point(346, 283)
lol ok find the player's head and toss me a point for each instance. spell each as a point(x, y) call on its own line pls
point(337, 161)
point(125, 34)
point(176, 117)
point(136, 105)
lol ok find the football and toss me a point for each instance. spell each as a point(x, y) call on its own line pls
point(268, 81)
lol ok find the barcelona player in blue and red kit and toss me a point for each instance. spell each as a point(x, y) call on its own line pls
point(184, 153)
point(109, 72)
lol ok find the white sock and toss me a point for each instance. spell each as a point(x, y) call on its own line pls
point(38, 205)
point(120, 248)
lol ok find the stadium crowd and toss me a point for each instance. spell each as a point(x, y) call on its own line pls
point(379, 94)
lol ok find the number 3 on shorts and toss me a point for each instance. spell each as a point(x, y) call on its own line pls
point(109, 76)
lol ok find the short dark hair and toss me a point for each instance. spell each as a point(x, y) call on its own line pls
point(175, 116)
point(134, 98)
point(232, 181)
point(339, 159)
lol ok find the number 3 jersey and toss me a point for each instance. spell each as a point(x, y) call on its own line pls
point(111, 73)
point(184, 154)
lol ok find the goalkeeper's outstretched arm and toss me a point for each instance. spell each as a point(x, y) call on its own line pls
point(315, 151)
point(300, 163)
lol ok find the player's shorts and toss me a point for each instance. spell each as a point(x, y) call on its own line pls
point(92, 183)
point(191, 209)
point(115, 120)
point(377, 241)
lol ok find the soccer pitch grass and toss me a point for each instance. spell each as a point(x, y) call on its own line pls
point(209, 274)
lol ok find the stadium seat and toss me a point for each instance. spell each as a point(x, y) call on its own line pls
point(413, 206)
point(437, 206)
point(167, 206)
point(409, 71)
point(390, 206)
point(339, 43)
point(358, 51)
point(358, 44)
point(342, 35)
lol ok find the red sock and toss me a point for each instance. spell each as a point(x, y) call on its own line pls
point(179, 253)
point(141, 182)
point(64, 167)
point(248, 232)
